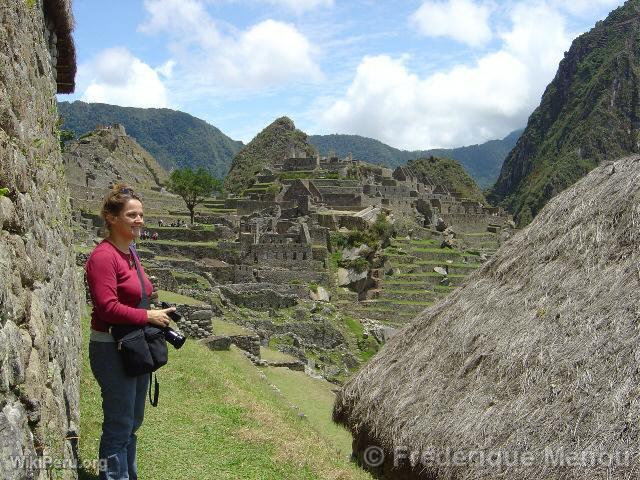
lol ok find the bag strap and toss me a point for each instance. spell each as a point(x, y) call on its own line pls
point(136, 261)
point(156, 390)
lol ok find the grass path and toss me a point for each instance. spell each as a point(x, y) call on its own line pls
point(218, 418)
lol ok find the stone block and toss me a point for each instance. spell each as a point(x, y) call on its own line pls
point(217, 342)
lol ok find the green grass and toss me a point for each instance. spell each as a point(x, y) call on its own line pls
point(406, 291)
point(315, 399)
point(416, 242)
point(216, 210)
point(444, 288)
point(217, 419)
point(271, 355)
point(439, 263)
point(405, 302)
point(171, 297)
point(354, 326)
point(170, 259)
point(220, 327)
point(436, 250)
point(191, 279)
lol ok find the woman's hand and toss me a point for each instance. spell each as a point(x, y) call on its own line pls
point(159, 318)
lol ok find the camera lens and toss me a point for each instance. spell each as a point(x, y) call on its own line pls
point(174, 338)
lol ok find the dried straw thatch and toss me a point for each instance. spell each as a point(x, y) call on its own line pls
point(535, 361)
point(59, 11)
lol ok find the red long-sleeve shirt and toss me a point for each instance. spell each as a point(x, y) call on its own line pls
point(115, 288)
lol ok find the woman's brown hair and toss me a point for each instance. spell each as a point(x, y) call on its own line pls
point(115, 200)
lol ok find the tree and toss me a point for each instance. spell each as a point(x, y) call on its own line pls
point(382, 229)
point(192, 186)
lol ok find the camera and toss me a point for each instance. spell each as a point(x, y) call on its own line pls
point(174, 338)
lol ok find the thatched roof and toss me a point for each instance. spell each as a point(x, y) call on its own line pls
point(59, 11)
point(539, 349)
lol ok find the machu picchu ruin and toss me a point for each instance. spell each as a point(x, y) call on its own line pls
point(320, 258)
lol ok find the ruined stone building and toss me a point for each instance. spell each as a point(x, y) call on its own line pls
point(40, 292)
point(333, 187)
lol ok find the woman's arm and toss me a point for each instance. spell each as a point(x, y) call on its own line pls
point(103, 287)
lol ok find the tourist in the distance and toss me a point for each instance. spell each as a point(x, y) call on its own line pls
point(116, 295)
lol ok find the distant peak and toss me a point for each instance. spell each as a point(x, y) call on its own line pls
point(283, 122)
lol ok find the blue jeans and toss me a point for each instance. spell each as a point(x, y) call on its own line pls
point(123, 401)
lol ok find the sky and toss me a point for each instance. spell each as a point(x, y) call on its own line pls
point(413, 74)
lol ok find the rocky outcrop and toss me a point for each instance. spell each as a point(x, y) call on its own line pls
point(108, 154)
point(40, 291)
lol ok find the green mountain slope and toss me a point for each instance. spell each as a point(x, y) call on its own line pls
point(449, 173)
point(175, 139)
point(589, 112)
point(482, 161)
point(270, 146)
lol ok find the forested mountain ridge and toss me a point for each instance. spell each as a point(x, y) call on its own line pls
point(174, 138)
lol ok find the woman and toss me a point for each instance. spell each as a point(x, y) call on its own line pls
point(116, 294)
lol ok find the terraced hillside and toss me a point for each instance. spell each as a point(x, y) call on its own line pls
point(409, 283)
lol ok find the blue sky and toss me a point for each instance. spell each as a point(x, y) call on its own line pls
point(414, 74)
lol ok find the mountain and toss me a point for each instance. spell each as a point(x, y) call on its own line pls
point(447, 172)
point(175, 139)
point(269, 147)
point(109, 155)
point(482, 161)
point(590, 111)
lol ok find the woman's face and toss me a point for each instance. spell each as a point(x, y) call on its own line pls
point(129, 222)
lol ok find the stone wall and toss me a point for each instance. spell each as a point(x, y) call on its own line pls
point(342, 199)
point(466, 222)
point(41, 293)
point(247, 207)
point(229, 219)
point(319, 235)
point(196, 321)
point(263, 299)
point(188, 235)
point(280, 254)
point(340, 190)
point(248, 343)
point(222, 251)
point(163, 279)
point(300, 164)
point(286, 276)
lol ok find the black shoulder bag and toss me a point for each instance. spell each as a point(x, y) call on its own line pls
point(142, 349)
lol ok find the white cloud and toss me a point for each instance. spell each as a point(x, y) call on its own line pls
point(166, 69)
point(268, 54)
point(463, 20)
point(208, 56)
point(300, 6)
point(464, 105)
point(116, 76)
point(186, 20)
point(583, 7)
